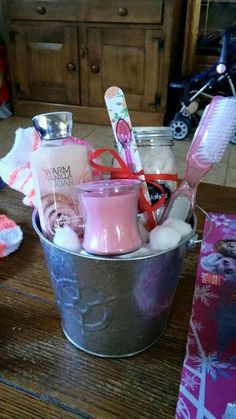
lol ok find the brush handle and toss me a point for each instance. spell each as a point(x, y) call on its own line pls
point(182, 201)
point(195, 173)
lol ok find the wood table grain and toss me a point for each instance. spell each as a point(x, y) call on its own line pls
point(43, 375)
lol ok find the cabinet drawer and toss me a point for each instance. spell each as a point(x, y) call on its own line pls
point(45, 9)
point(124, 11)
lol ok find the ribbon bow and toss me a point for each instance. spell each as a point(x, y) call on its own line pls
point(124, 172)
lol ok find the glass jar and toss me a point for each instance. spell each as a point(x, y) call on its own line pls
point(110, 213)
point(155, 149)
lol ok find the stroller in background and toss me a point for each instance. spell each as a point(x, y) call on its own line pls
point(197, 91)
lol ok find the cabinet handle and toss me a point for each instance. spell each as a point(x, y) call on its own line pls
point(122, 11)
point(71, 66)
point(83, 52)
point(41, 10)
point(95, 68)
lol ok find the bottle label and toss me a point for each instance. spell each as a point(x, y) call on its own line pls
point(58, 176)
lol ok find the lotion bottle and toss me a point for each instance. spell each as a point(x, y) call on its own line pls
point(56, 169)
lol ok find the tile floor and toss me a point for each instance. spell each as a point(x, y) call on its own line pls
point(223, 173)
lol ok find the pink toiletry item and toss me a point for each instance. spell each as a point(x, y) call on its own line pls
point(216, 127)
point(15, 168)
point(96, 174)
point(10, 236)
point(109, 208)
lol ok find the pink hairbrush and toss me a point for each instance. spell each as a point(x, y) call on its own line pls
point(216, 128)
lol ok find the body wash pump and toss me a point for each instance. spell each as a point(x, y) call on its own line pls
point(56, 169)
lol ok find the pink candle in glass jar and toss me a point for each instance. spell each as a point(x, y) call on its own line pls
point(109, 209)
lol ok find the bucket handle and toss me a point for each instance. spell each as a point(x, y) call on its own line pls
point(194, 240)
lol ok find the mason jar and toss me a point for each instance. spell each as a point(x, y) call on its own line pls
point(155, 146)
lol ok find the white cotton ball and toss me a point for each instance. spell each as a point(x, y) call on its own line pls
point(183, 228)
point(163, 238)
point(144, 233)
point(67, 238)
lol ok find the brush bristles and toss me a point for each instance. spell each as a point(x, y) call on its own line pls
point(216, 129)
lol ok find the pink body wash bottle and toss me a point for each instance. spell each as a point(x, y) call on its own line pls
point(109, 210)
point(56, 169)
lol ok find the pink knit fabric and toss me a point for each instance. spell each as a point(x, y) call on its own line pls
point(10, 236)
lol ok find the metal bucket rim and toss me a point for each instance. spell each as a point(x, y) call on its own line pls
point(115, 258)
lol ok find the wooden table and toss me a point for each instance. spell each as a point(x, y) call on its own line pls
point(43, 375)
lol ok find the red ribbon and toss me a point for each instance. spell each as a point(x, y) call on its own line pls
point(124, 172)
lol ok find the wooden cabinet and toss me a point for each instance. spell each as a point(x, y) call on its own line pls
point(65, 55)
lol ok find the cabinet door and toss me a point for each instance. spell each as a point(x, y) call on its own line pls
point(46, 63)
point(128, 58)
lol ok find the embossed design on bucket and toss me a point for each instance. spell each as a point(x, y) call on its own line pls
point(86, 306)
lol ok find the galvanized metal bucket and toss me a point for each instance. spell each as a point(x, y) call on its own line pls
point(113, 307)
